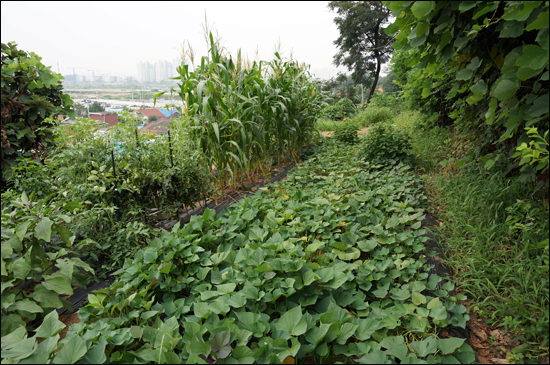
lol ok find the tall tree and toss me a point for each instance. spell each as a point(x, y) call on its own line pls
point(363, 45)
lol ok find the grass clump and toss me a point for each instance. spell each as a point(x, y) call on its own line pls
point(372, 115)
point(495, 233)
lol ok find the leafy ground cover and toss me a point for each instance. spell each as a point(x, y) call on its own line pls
point(328, 265)
point(495, 231)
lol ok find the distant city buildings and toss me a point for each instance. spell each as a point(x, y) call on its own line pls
point(157, 72)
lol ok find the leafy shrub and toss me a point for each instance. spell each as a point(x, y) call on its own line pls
point(390, 100)
point(342, 109)
point(372, 115)
point(385, 142)
point(35, 242)
point(494, 95)
point(347, 134)
point(31, 92)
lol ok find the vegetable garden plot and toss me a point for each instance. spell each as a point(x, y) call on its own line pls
point(321, 265)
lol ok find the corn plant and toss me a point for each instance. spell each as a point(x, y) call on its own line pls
point(248, 116)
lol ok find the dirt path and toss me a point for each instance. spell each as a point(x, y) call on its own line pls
point(331, 133)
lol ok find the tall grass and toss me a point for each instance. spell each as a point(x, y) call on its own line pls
point(495, 231)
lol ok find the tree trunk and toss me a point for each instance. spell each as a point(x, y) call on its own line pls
point(373, 89)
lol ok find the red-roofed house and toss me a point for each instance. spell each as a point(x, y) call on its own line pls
point(107, 117)
point(161, 125)
point(148, 112)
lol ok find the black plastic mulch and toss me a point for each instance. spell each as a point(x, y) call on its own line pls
point(231, 198)
point(80, 295)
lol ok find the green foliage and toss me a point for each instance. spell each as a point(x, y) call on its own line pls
point(248, 116)
point(152, 118)
point(372, 115)
point(383, 143)
point(535, 152)
point(149, 188)
point(362, 45)
point(347, 134)
point(31, 92)
point(80, 111)
point(342, 109)
point(38, 261)
point(385, 99)
point(484, 65)
point(96, 107)
point(495, 228)
point(321, 265)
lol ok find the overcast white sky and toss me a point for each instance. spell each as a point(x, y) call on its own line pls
point(112, 37)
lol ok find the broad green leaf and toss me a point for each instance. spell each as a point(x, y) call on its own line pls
point(58, 285)
point(425, 347)
point(401, 295)
point(346, 331)
point(14, 337)
point(316, 334)
point(421, 9)
point(505, 88)
point(220, 344)
point(366, 328)
point(391, 341)
point(511, 29)
point(438, 313)
point(377, 356)
point(449, 345)
point(293, 322)
point(42, 352)
point(418, 298)
point(435, 302)
point(26, 305)
point(74, 349)
point(20, 350)
point(43, 229)
point(96, 355)
point(22, 230)
point(226, 288)
point(465, 74)
point(47, 298)
point(400, 351)
point(539, 23)
point(20, 268)
point(51, 325)
point(534, 57)
point(367, 245)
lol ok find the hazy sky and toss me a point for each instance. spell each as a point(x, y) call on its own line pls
point(112, 37)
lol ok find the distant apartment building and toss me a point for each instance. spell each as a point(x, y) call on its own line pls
point(157, 72)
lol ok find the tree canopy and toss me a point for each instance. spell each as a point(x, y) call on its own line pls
point(96, 107)
point(363, 45)
point(31, 92)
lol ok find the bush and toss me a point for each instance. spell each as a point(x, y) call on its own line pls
point(36, 268)
point(383, 143)
point(372, 115)
point(31, 92)
point(347, 134)
point(342, 109)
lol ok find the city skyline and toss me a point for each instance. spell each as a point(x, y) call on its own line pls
point(99, 40)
